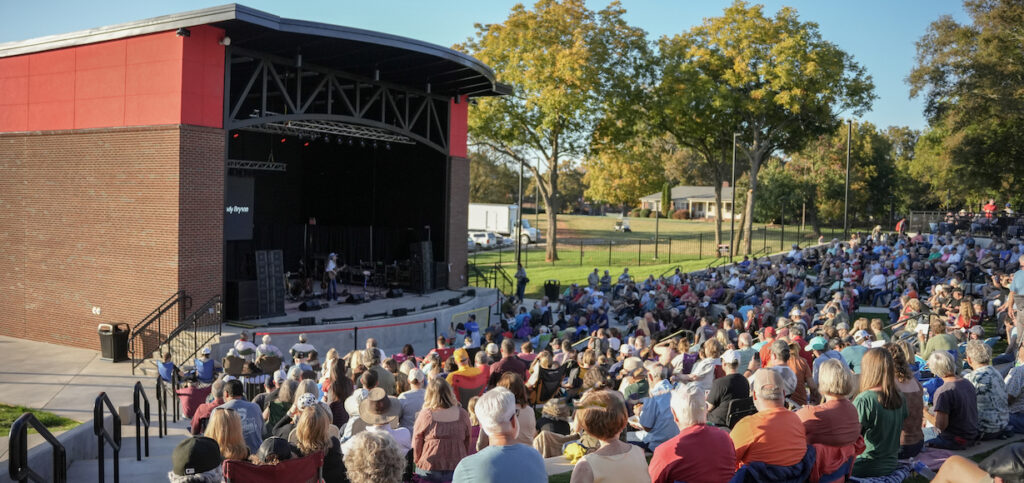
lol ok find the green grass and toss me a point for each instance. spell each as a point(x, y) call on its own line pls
point(8, 414)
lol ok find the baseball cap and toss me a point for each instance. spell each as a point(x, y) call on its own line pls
point(306, 400)
point(206, 350)
point(275, 446)
point(769, 332)
point(492, 348)
point(817, 344)
point(843, 326)
point(627, 349)
point(632, 365)
point(280, 375)
point(862, 335)
point(730, 357)
point(195, 455)
point(977, 329)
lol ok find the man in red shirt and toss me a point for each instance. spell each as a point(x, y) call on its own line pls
point(699, 453)
point(204, 410)
point(989, 208)
point(767, 336)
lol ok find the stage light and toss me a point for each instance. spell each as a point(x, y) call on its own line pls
point(184, 32)
point(362, 143)
point(375, 145)
point(306, 144)
point(284, 139)
point(351, 141)
point(340, 140)
point(387, 146)
point(235, 135)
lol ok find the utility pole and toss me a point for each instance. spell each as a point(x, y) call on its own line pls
point(519, 215)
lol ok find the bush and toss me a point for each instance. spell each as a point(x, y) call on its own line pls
point(644, 213)
point(682, 214)
point(634, 212)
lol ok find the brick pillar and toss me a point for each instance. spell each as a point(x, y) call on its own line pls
point(201, 213)
point(458, 219)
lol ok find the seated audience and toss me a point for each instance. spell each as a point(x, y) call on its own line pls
point(412, 400)
point(505, 460)
point(911, 436)
point(834, 422)
point(655, 424)
point(196, 460)
point(441, 433)
point(225, 428)
point(882, 409)
point(374, 458)
point(774, 435)
point(602, 415)
point(699, 453)
point(313, 433)
point(955, 406)
point(993, 404)
point(727, 388)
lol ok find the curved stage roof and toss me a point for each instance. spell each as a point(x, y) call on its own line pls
point(394, 59)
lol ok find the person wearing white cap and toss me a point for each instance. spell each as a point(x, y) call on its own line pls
point(412, 400)
point(727, 388)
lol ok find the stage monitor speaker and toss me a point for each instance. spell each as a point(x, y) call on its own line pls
point(471, 292)
point(310, 305)
point(440, 276)
point(394, 293)
point(307, 321)
point(242, 303)
point(453, 301)
point(356, 298)
point(399, 312)
point(421, 267)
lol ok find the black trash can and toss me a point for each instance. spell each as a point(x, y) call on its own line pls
point(113, 342)
point(552, 289)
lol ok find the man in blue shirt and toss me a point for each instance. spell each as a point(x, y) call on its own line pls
point(503, 460)
point(250, 413)
point(656, 422)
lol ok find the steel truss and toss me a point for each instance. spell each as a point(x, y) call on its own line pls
point(282, 95)
point(256, 165)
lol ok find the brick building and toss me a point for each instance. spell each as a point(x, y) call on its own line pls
point(124, 148)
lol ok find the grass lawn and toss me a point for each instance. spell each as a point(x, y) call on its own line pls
point(8, 414)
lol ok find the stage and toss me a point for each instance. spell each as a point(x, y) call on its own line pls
point(347, 326)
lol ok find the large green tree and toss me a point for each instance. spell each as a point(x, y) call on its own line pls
point(777, 80)
point(570, 68)
point(622, 174)
point(491, 181)
point(972, 79)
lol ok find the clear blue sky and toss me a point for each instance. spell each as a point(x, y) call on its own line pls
point(880, 34)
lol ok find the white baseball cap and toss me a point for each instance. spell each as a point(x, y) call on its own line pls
point(730, 357)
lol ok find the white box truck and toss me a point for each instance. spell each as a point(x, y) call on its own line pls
point(500, 219)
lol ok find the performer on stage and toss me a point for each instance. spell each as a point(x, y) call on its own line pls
point(331, 272)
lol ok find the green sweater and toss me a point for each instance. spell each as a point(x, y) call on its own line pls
point(941, 342)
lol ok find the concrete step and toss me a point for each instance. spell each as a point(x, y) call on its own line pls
point(153, 468)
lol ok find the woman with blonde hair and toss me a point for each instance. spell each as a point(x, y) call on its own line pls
point(313, 434)
point(882, 410)
point(912, 436)
point(441, 435)
point(374, 458)
point(225, 427)
point(834, 422)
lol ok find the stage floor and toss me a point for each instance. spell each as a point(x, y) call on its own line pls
point(378, 308)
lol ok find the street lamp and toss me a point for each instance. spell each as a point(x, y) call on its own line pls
point(732, 201)
point(846, 199)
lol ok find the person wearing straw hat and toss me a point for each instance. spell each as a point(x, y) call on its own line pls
point(380, 412)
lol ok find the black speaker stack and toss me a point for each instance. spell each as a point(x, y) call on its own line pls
point(269, 282)
point(242, 302)
point(421, 267)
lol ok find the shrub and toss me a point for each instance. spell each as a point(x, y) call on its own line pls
point(634, 212)
point(682, 214)
point(644, 213)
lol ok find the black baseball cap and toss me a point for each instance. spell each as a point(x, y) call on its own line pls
point(196, 455)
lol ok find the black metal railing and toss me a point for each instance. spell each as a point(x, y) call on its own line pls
point(103, 437)
point(17, 449)
point(503, 281)
point(161, 406)
point(140, 405)
point(197, 330)
point(149, 333)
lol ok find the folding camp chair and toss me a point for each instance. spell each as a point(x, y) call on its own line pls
point(307, 469)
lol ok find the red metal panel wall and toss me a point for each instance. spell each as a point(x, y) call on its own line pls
point(457, 126)
point(146, 80)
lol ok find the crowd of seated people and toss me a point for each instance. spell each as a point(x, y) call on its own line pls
point(755, 372)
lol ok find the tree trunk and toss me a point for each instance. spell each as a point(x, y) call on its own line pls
point(552, 203)
point(718, 215)
point(748, 212)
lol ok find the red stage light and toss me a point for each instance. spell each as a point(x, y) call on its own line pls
point(235, 135)
point(284, 139)
point(306, 143)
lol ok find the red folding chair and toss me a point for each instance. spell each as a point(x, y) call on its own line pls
point(467, 387)
point(308, 469)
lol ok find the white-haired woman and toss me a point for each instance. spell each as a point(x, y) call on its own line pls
point(993, 407)
point(374, 457)
point(834, 422)
point(267, 349)
point(956, 406)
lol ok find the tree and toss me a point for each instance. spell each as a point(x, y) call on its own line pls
point(491, 181)
point(777, 79)
point(666, 200)
point(570, 67)
point(972, 79)
point(624, 173)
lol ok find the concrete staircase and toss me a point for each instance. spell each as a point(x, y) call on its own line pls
point(153, 468)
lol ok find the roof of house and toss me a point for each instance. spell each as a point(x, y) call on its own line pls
point(691, 193)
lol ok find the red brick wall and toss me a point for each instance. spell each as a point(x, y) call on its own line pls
point(458, 220)
point(90, 218)
point(201, 214)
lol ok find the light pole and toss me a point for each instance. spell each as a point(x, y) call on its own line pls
point(732, 201)
point(657, 216)
point(536, 200)
point(519, 217)
point(846, 198)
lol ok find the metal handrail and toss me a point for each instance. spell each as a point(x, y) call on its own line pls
point(161, 407)
point(179, 300)
point(160, 309)
point(17, 448)
point(102, 436)
point(193, 322)
point(141, 419)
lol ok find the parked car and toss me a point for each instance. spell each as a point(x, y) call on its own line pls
point(484, 239)
point(507, 241)
point(471, 244)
